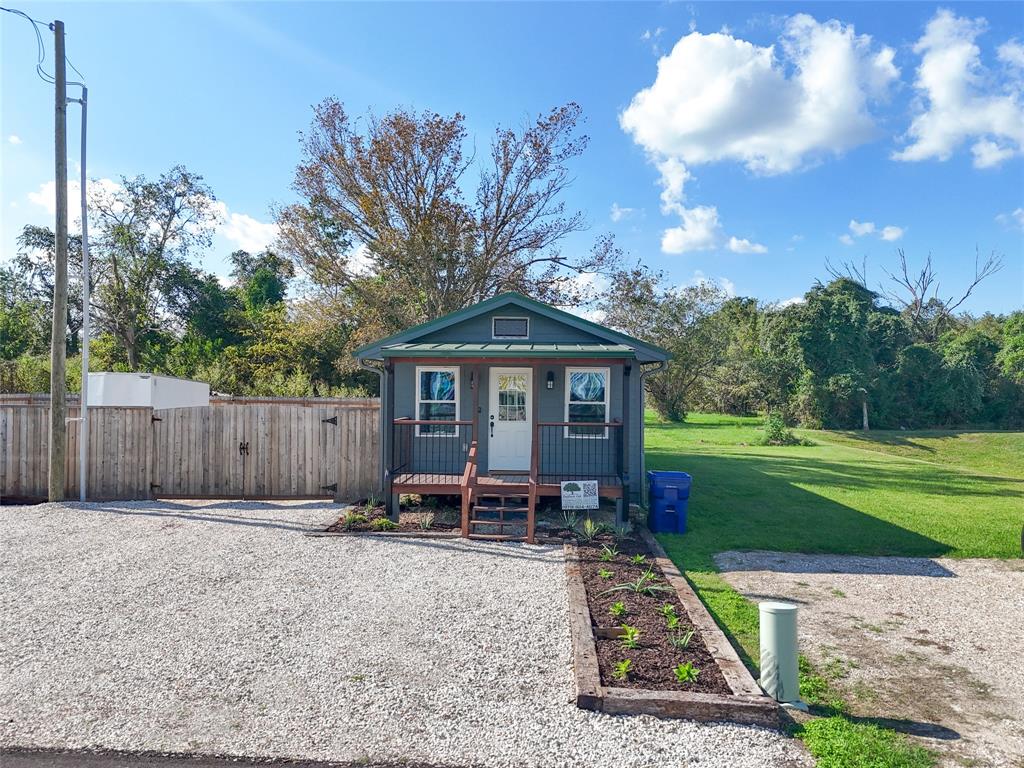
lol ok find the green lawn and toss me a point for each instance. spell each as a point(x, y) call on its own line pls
point(847, 495)
point(989, 453)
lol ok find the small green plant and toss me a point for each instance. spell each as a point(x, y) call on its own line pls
point(604, 573)
point(622, 531)
point(383, 524)
point(680, 639)
point(671, 622)
point(608, 553)
point(630, 637)
point(667, 610)
point(426, 522)
point(685, 673)
point(570, 518)
point(618, 610)
point(638, 559)
point(622, 669)
point(645, 584)
point(352, 520)
point(590, 530)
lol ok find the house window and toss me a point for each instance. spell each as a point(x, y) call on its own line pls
point(510, 327)
point(586, 400)
point(437, 399)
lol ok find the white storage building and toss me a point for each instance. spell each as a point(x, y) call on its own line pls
point(146, 390)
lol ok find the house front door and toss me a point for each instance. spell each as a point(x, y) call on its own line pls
point(510, 419)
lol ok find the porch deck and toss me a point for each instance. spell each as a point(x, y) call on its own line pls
point(498, 482)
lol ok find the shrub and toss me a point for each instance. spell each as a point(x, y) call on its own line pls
point(590, 530)
point(777, 433)
point(645, 584)
point(384, 524)
point(680, 639)
point(570, 518)
point(638, 559)
point(426, 522)
point(608, 553)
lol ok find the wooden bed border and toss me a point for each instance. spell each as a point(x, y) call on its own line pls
point(747, 704)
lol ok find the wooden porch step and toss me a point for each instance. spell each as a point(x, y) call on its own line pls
point(484, 508)
point(496, 537)
point(499, 523)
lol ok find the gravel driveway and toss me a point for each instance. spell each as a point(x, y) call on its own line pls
point(217, 627)
point(933, 644)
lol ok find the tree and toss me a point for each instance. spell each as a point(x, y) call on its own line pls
point(1011, 357)
point(385, 224)
point(144, 231)
point(685, 321)
point(35, 264)
point(261, 279)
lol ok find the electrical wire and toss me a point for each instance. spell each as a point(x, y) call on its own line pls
point(45, 76)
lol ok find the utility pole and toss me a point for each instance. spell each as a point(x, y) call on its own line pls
point(83, 408)
point(58, 337)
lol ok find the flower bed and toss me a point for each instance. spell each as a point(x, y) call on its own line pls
point(369, 516)
point(659, 652)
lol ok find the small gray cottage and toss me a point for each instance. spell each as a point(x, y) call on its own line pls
point(507, 399)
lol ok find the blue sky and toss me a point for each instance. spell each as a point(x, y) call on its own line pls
point(711, 154)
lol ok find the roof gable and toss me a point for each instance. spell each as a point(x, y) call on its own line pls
point(513, 301)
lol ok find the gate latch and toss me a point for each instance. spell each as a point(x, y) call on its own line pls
point(243, 449)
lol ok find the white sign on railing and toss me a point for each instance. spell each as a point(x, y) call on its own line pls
point(579, 494)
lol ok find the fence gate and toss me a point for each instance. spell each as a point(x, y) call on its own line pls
point(248, 451)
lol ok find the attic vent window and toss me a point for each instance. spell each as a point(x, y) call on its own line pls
point(510, 327)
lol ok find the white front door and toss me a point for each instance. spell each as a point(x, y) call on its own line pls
point(510, 418)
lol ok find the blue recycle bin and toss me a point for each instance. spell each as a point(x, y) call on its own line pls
point(668, 496)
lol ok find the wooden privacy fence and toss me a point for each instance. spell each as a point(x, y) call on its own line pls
point(120, 451)
point(260, 449)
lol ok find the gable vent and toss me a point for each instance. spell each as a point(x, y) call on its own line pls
point(510, 327)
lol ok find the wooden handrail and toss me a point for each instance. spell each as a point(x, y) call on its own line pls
point(438, 422)
point(579, 423)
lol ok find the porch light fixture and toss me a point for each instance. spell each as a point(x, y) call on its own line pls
point(551, 380)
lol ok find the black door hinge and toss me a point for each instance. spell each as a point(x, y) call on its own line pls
point(155, 418)
point(333, 487)
point(333, 420)
point(155, 485)
point(243, 449)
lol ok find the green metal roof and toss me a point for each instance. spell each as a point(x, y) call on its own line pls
point(644, 351)
point(501, 349)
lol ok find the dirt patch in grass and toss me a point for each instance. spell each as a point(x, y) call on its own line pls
point(654, 659)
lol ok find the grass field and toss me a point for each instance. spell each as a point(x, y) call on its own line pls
point(926, 494)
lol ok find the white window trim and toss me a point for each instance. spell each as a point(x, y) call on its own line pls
point(435, 369)
point(527, 336)
point(607, 401)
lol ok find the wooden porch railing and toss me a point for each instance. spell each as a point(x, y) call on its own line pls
point(564, 450)
point(468, 486)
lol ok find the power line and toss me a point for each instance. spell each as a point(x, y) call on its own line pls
point(45, 76)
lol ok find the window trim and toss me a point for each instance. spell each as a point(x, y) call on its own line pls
point(504, 317)
point(454, 370)
point(607, 401)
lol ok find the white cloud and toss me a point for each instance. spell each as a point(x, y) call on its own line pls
point(652, 34)
point(701, 278)
point(774, 109)
point(14, 139)
point(861, 228)
point(737, 245)
point(46, 197)
point(618, 213)
point(717, 97)
point(244, 231)
point(1013, 219)
point(961, 100)
point(891, 233)
point(792, 301)
point(698, 230)
point(1012, 53)
point(360, 262)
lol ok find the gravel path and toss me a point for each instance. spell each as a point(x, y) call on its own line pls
point(936, 644)
point(219, 628)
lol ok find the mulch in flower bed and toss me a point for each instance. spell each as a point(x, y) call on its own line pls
point(413, 519)
point(653, 662)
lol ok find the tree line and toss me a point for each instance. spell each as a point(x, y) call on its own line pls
point(396, 222)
